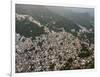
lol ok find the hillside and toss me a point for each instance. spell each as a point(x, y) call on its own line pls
point(52, 38)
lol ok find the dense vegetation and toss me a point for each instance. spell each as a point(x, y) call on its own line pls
point(28, 29)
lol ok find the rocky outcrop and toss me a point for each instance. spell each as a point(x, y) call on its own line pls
point(51, 52)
